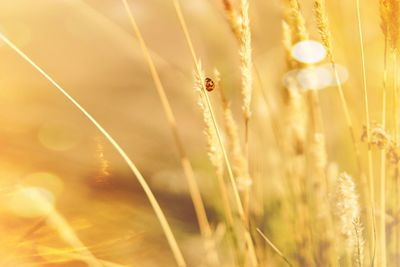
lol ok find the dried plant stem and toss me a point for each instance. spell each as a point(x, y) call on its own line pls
point(347, 114)
point(246, 60)
point(359, 243)
point(157, 209)
point(186, 165)
point(232, 20)
point(235, 190)
point(297, 21)
point(396, 177)
point(242, 34)
point(323, 27)
point(239, 161)
point(246, 67)
point(395, 97)
point(383, 151)
point(368, 126)
point(396, 125)
point(209, 106)
point(316, 112)
point(274, 248)
point(274, 124)
point(225, 200)
point(348, 212)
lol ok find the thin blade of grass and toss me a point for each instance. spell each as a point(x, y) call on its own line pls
point(153, 201)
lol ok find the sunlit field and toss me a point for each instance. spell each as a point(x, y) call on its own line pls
point(209, 133)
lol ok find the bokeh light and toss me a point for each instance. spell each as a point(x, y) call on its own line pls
point(58, 136)
point(316, 77)
point(309, 52)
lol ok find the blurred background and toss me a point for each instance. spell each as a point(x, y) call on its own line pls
point(89, 48)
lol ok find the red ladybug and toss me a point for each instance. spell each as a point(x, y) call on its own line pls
point(210, 85)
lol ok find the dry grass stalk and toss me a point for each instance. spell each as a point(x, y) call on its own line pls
point(323, 27)
point(186, 165)
point(232, 17)
point(248, 240)
point(348, 212)
point(296, 117)
point(239, 163)
point(246, 60)
point(368, 122)
point(359, 243)
point(323, 238)
point(287, 44)
point(240, 26)
point(295, 123)
point(383, 138)
point(153, 201)
point(269, 242)
point(246, 67)
point(201, 76)
point(297, 22)
point(390, 21)
point(214, 150)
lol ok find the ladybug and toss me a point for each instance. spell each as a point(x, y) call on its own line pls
point(210, 85)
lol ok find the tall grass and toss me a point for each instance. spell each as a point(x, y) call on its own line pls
point(312, 210)
point(157, 209)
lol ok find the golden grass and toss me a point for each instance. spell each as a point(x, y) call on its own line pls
point(186, 165)
point(291, 180)
point(157, 209)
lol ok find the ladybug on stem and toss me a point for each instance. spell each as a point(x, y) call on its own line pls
point(209, 84)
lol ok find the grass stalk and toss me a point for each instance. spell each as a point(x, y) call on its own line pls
point(209, 106)
point(383, 122)
point(246, 67)
point(153, 201)
point(323, 27)
point(274, 248)
point(186, 165)
point(395, 98)
point(238, 202)
point(369, 149)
